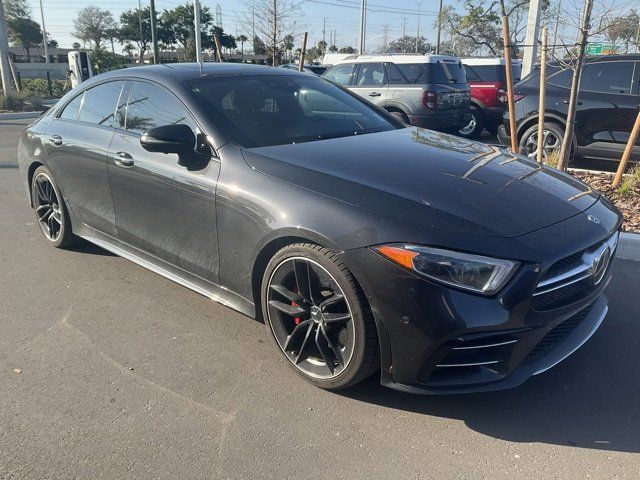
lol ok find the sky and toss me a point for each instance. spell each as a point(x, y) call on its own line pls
point(343, 16)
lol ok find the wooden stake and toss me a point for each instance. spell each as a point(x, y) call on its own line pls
point(13, 73)
point(627, 152)
point(507, 65)
point(216, 40)
point(303, 52)
point(543, 79)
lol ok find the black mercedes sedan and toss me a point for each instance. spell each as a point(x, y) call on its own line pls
point(448, 265)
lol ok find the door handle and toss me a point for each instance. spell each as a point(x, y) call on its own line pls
point(123, 159)
point(567, 102)
point(55, 140)
point(374, 94)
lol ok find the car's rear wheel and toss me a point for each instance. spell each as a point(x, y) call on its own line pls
point(318, 316)
point(51, 212)
point(401, 116)
point(474, 123)
point(551, 140)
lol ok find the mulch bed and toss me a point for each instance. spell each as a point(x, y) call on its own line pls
point(628, 204)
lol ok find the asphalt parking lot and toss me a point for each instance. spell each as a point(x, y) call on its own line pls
point(108, 370)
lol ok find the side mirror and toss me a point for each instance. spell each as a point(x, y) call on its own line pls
point(178, 139)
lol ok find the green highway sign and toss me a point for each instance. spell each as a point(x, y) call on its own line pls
point(600, 48)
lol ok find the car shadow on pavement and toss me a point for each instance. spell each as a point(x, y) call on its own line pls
point(84, 246)
point(591, 400)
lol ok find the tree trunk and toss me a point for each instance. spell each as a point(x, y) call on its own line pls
point(567, 139)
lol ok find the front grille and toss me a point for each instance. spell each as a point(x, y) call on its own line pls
point(557, 335)
point(571, 278)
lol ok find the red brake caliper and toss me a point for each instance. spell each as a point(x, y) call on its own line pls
point(297, 320)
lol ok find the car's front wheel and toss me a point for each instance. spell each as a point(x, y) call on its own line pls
point(318, 316)
point(552, 135)
point(50, 209)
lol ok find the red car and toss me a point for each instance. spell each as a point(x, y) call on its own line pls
point(487, 79)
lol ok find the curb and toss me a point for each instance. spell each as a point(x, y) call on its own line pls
point(629, 248)
point(19, 115)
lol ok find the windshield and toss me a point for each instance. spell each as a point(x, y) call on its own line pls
point(258, 111)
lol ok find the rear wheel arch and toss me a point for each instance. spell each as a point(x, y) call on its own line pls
point(30, 172)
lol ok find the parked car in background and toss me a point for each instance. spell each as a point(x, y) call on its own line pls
point(429, 91)
point(487, 79)
point(606, 110)
point(308, 68)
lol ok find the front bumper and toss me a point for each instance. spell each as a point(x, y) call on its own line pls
point(440, 340)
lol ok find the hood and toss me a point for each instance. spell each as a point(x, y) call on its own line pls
point(432, 179)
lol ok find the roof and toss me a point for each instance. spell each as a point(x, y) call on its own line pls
point(192, 71)
point(399, 58)
point(487, 61)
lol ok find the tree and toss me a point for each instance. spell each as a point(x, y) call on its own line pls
point(270, 21)
point(259, 48)
point(130, 29)
point(52, 43)
point(25, 33)
point(76, 46)
point(333, 49)
point(93, 25)
point(287, 43)
point(322, 47)
point(242, 39)
point(16, 9)
point(407, 44)
point(624, 29)
point(349, 50)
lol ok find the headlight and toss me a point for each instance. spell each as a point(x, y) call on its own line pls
point(476, 273)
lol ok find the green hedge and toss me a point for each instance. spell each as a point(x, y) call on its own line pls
point(38, 86)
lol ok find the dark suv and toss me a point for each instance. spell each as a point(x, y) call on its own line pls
point(607, 107)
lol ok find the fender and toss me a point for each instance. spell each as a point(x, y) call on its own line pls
point(532, 119)
point(396, 104)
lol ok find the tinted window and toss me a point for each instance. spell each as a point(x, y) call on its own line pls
point(472, 76)
point(152, 106)
point(340, 74)
point(414, 72)
point(258, 111)
point(448, 72)
point(394, 75)
point(73, 107)
point(607, 77)
point(561, 79)
point(370, 74)
point(99, 104)
point(317, 70)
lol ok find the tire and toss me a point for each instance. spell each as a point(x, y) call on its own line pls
point(50, 210)
point(307, 319)
point(401, 116)
point(475, 124)
point(554, 132)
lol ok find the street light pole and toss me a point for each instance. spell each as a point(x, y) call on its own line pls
point(198, 37)
point(154, 40)
point(363, 24)
point(439, 28)
point(4, 54)
point(44, 35)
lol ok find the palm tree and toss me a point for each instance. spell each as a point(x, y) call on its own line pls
point(242, 39)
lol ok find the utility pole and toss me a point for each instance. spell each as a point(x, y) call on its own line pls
point(404, 26)
point(439, 28)
point(141, 59)
point(275, 32)
point(198, 36)
point(585, 26)
point(385, 37)
point(555, 28)
point(4, 54)
point(154, 39)
point(324, 25)
point(530, 54)
point(44, 35)
point(419, 2)
point(363, 24)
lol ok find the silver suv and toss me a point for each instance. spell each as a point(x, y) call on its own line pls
point(429, 91)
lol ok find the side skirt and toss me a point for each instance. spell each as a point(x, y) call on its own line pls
point(214, 292)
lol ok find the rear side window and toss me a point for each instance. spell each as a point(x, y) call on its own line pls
point(415, 72)
point(370, 74)
point(99, 104)
point(70, 112)
point(472, 76)
point(607, 77)
point(340, 74)
point(448, 72)
point(152, 106)
point(394, 75)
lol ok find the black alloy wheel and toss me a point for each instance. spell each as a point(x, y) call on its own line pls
point(50, 210)
point(312, 307)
